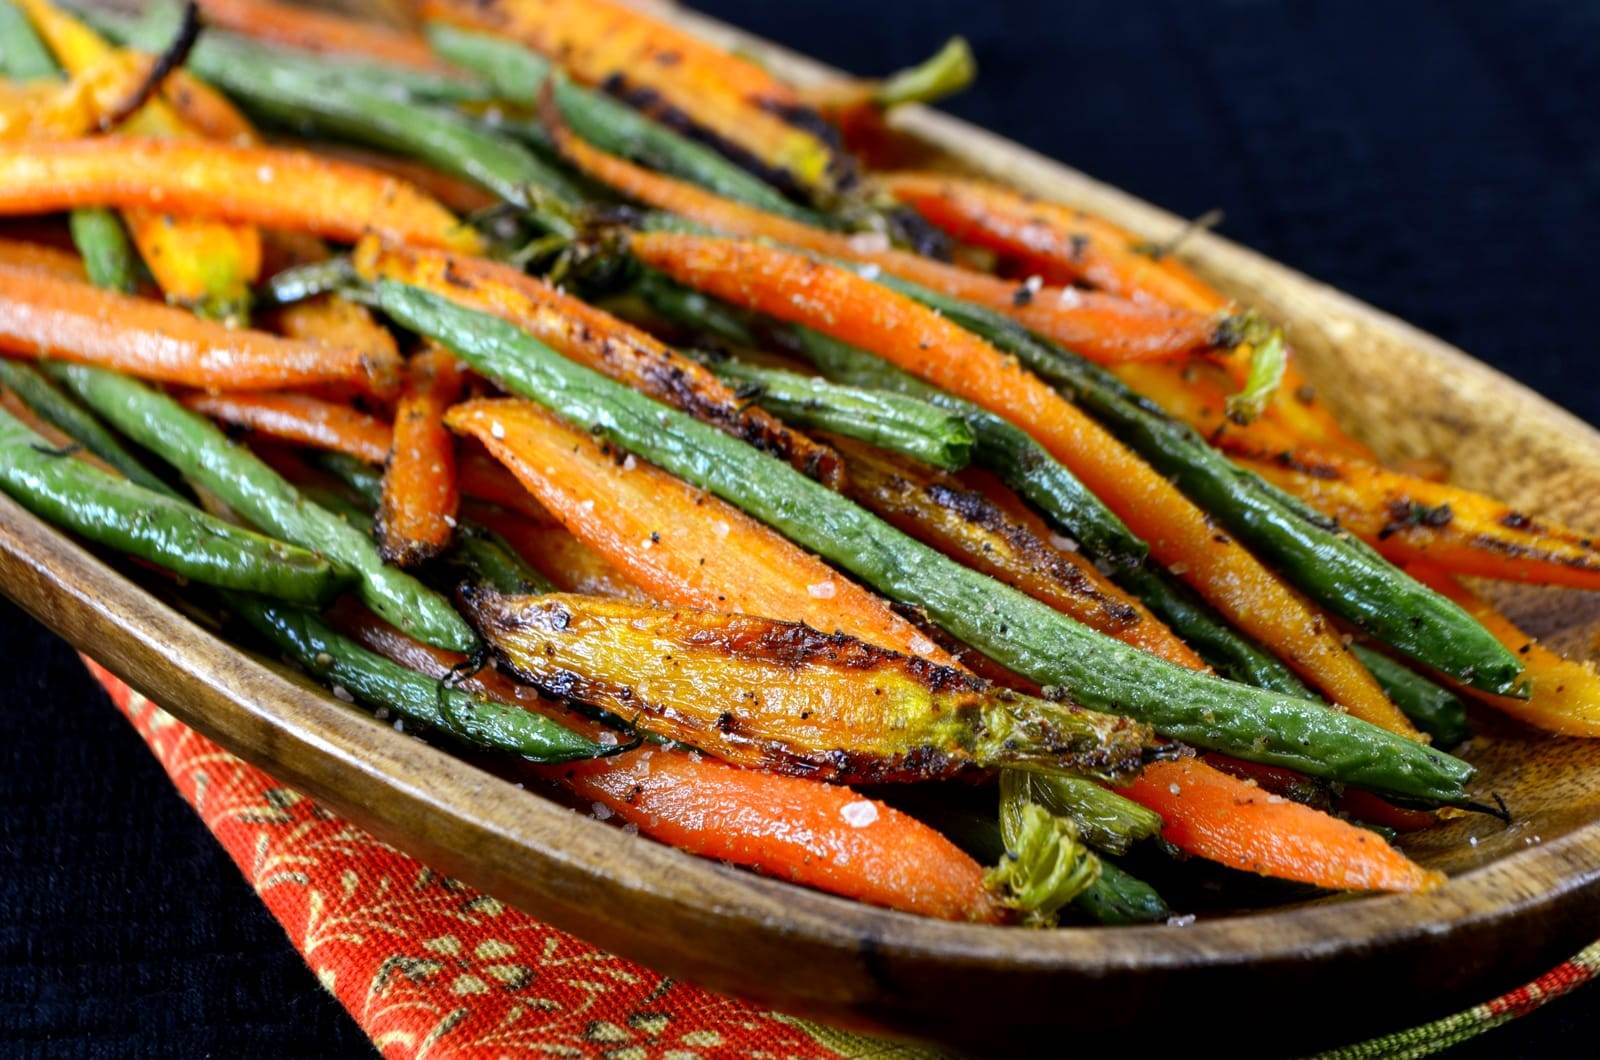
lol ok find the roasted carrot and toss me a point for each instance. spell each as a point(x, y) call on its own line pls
point(459, 195)
point(1063, 245)
point(269, 186)
point(766, 693)
point(44, 316)
point(1223, 818)
point(550, 549)
point(1103, 327)
point(820, 835)
point(1047, 239)
point(330, 320)
point(485, 478)
point(674, 76)
point(38, 257)
point(817, 835)
point(839, 303)
point(1412, 519)
point(300, 419)
point(202, 262)
point(964, 524)
point(595, 338)
point(1564, 694)
point(314, 30)
point(420, 497)
point(678, 544)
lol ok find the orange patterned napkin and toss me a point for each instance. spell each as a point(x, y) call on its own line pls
point(429, 967)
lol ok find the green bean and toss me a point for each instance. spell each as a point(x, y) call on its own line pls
point(890, 421)
point(1003, 448)
point(203, 454)
point(155, 527)
point(160, 22)
point(301, 95)
point(1233, 655)
point(1336, 569)
point(23, 56)
point(1023, 634)
point(108, 254)
point(1433, 708)
point(77, 422)
point(378, 682)
point(1118, 898)
point(1106, 821)
point(519, 74)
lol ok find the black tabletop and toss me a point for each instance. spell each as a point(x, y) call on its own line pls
point(1440, 160)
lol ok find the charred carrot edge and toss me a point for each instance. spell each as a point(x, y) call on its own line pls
point(319, 31)
point(1056, 242)
point(45, 316)
point(300, 419)
point(818, 835)
point(678, 544)
point(545, 544)
point(1182, 538)
point(670, 74)
point(597, 339)
point(1411, 519)
point(1238, 823)
point(268, 186)
point(417, 515)
point(1100, 326)
point(201, 262)
point(1564, 693)
point(965, 525)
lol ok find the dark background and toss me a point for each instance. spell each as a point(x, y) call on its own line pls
point(1440, 160)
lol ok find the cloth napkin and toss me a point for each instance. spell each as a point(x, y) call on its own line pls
point(429, 967)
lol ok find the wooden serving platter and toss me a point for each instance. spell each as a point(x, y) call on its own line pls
point(1520, 898)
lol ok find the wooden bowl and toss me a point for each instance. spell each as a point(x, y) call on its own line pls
point(1520, 898)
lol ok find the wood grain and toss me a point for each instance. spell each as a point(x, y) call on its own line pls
point(1520, 899)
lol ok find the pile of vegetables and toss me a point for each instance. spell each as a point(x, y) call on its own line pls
point(580, 393)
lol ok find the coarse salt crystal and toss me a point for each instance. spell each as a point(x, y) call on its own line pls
point(921, 645)
point(342, 693)
point(1070, 297)
point(450, 521)
point(587, 505)
point(602, 812)
point(497, 429)
point(607, 739)
point(1180, 921)
point(869, 242)
point(399, 725)
point(871, 271)
point(822, 590)
point(647, 543)
point(1174, 789)
point(631, 828)
point(1034, 283)
point(721, 528)
point(629, 463)
point(859, 814)
point(1065, 544)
